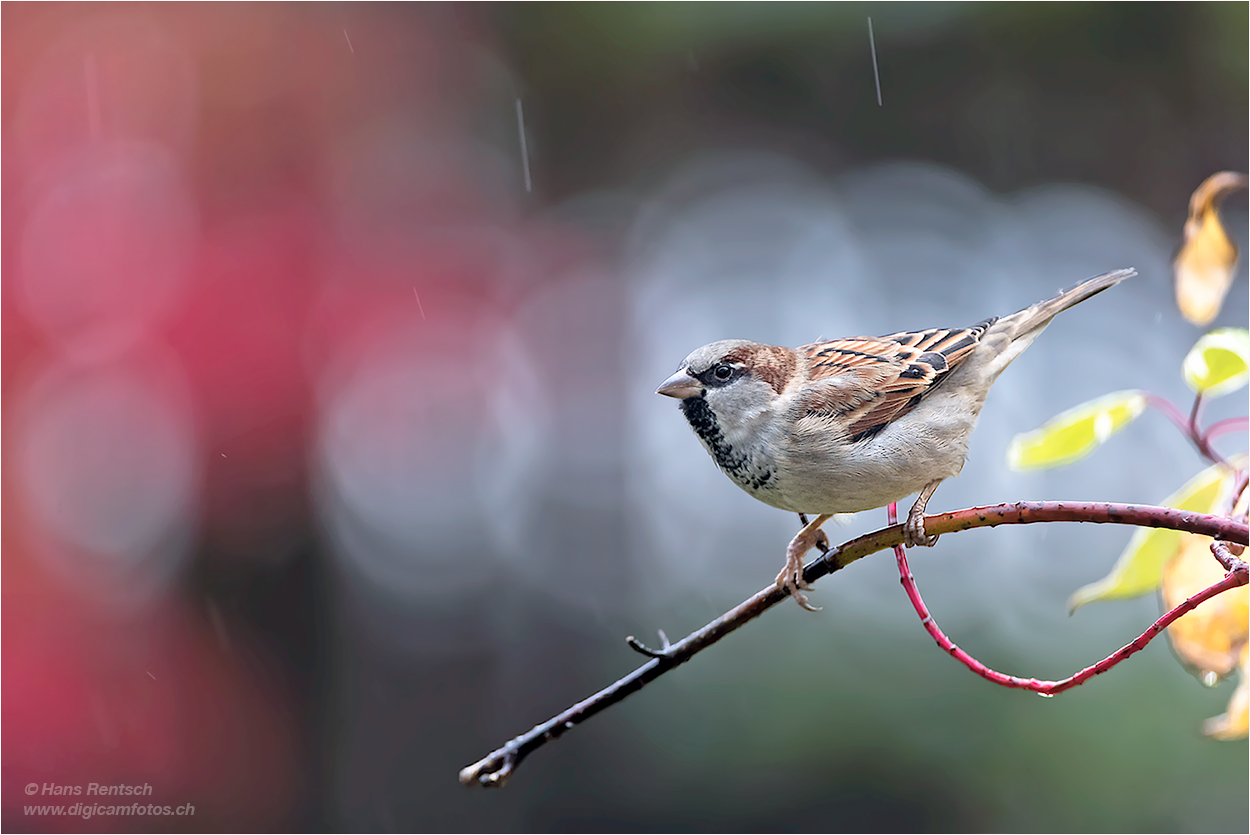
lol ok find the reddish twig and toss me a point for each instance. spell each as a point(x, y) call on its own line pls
point(1188, 426)
point(1237, 576)
point(1222, 427)
point(1195, 414)
point(495, 768)
point(1227, 557)
point(1169, 410)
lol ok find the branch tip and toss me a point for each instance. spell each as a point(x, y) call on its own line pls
point(638, 646)
point(489, 771)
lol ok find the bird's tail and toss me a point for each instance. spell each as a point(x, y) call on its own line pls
point(1009, 336)
point(1038, 316)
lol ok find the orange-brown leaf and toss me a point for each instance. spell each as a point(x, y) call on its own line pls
point(1210, 637)
point(1207, 259)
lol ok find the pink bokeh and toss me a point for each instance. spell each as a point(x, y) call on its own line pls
point(225, 228)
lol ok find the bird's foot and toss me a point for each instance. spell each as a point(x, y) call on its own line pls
point(913, 529)
point(914, 532)
point(790, 579)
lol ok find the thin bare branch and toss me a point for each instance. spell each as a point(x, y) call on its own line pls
point(495, 768)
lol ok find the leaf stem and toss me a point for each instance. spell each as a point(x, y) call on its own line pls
point(1221, 427)
point(1188, 426)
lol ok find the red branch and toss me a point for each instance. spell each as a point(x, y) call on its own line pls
point(1225, 556)
point(1237, 576)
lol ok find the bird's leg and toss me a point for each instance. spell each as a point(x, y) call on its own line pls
point(913, 529)
point(822, 541)
point(791, 577)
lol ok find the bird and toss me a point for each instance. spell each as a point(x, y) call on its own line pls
point(845, 425)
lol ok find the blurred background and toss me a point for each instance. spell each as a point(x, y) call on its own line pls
point(331, 453)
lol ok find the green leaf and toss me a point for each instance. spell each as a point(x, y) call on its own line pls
point(1219, 363)
point(1075, 433)
point(1139, 569)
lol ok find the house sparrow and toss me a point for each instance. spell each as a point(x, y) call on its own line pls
point(853, 424)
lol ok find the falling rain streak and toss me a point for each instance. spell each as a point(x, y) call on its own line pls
point(872, 44)
point(525, 154)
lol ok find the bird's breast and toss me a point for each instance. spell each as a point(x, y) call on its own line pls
point(742, 455)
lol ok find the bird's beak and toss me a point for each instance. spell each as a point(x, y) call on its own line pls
point(681, 385)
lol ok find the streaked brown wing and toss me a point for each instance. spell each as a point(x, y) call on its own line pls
point(875, 380)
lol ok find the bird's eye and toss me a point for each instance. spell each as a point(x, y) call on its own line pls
point(722, 371)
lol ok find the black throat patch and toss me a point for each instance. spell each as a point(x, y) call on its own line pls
point(735, 464)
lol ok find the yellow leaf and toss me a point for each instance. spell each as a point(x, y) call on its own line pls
point(1207, 259)
point(1074, 434)
point(1235, 724)
point(1219, 362)
point(1139, 569)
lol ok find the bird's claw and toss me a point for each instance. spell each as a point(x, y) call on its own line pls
point(790, 579)
point(791, 584)
point(914, 533)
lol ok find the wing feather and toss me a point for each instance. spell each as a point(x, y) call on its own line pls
point(867, 382)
